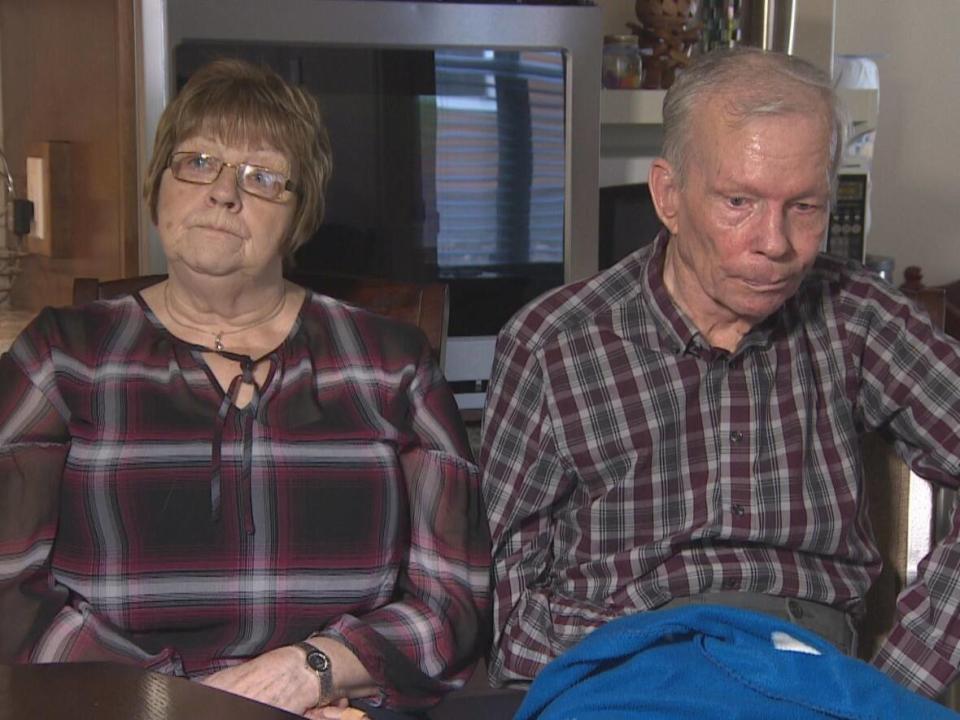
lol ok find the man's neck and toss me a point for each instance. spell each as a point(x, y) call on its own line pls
point(720, 327)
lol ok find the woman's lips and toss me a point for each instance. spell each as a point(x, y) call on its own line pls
point(220, 229)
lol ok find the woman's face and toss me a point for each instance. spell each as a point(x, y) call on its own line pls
point(218, 229)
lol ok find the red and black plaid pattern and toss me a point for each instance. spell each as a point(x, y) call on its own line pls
point(145, 518)
point(626, 462)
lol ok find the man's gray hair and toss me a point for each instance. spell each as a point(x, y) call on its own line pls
point(752, 82)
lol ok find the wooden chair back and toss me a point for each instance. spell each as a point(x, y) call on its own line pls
point(425, 305)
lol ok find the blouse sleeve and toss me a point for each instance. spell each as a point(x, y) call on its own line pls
point(33, 446)
point(39, 620)
point(425, 642)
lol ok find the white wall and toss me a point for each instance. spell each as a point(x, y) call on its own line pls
point(616, 15)
point(916, 168)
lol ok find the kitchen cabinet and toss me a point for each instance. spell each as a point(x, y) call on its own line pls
point(68, 75)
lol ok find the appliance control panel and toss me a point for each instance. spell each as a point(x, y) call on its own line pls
point(845, 236)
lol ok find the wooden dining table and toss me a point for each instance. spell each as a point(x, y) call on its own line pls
point(108, 691)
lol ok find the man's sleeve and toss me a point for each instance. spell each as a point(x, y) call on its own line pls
point(910, 392)
point(525, 481)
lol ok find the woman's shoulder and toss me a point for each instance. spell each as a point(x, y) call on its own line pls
point(80, 332)
point(350, 328)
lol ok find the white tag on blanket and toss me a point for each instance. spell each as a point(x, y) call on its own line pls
point(788, 643)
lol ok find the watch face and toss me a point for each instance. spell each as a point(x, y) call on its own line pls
point(318, 660)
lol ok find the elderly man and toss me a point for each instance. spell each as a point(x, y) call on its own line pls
point(685, 426)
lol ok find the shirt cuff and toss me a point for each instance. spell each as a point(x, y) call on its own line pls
point(906, 659)
point(356, 636)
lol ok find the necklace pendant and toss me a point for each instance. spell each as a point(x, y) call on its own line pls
point(218, 343)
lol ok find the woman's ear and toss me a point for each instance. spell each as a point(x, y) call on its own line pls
point(664, 187)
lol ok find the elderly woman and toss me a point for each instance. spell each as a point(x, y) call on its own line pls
point(228, 477)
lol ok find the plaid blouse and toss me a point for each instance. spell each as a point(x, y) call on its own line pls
point(627, 462)
point(144, 518)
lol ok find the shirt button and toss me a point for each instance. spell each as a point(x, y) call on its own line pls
point(738, 510)
point(729, 584)
point(736, 436)
point(795, 609)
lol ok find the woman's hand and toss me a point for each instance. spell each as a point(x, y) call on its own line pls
point(279, 678)
point(339, 710)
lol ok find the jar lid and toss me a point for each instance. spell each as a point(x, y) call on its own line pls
point(621, 40)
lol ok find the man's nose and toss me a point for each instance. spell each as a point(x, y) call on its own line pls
point(774, 236)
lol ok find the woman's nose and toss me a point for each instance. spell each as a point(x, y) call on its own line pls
point(224, 190)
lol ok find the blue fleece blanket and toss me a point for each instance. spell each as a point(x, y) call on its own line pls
point(715, 662)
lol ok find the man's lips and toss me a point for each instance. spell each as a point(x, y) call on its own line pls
point(764, 285)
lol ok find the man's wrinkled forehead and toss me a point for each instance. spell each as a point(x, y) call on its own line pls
point(732, 111)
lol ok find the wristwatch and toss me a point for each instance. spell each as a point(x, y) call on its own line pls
point(318, 661)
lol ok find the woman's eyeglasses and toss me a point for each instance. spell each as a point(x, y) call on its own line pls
point(202, 169)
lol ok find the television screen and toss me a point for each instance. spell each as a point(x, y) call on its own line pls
point(628, 221)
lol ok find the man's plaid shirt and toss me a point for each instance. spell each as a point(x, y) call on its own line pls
point(626, 462)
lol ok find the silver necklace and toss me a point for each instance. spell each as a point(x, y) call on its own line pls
point(218, 335)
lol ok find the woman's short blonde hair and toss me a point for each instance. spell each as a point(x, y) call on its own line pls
point(237, 102)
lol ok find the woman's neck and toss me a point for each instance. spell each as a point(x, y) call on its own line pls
point(225, 303)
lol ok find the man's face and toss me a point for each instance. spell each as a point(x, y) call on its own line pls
point(750, 218)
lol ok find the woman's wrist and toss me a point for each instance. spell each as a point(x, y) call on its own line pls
point(341, 674)
point(317, 661)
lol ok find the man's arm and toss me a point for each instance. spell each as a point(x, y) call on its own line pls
point(910, 390)
point(525, 482)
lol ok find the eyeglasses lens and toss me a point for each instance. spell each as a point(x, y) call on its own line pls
point(204, 169)
point(261, 181)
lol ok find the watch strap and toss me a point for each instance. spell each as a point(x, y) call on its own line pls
point(318, 661)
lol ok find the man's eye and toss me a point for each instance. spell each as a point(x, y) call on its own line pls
point(807, 207)
point(737, 201)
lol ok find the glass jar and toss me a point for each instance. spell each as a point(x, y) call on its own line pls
point(621, 62)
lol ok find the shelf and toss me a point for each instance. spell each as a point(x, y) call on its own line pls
point(631, 107)
point(631, 131)
point(643, 107)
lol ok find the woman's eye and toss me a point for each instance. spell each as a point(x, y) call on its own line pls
point(263, 178)
point(199, 162)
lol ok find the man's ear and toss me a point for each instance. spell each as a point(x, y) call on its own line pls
point(665, 191)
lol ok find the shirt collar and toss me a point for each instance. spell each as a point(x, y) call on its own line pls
point(677, 331)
